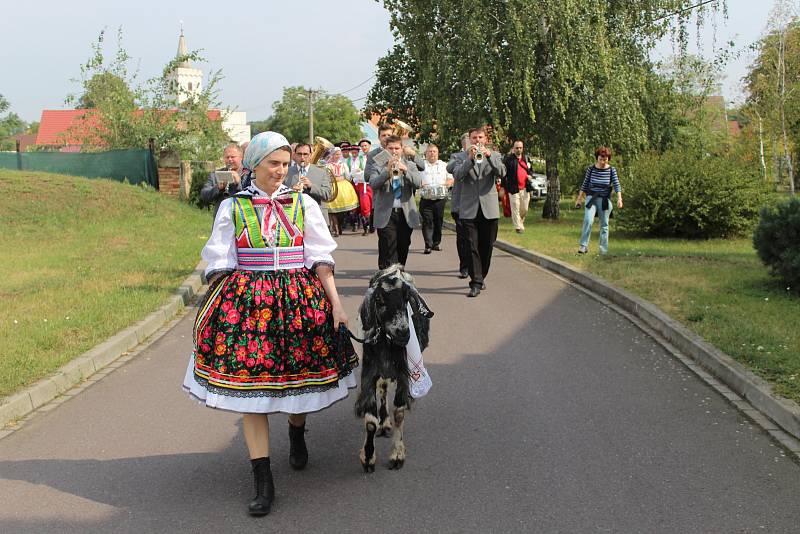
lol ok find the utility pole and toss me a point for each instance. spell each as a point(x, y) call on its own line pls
point(311, 117)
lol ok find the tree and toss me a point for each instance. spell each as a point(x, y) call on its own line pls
point(335, 116)
point(773, 83)
point(565, 74)
point(10, 124)
point(125, 114)
point(107, 86)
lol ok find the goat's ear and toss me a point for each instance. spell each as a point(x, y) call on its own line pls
point(368, 314)
point(418, 304)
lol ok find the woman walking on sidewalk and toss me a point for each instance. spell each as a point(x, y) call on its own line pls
point(598, 182)
point(265, 335)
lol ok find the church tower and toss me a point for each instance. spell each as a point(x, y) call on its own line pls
point(185, 79)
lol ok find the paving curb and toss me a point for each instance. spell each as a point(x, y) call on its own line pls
point(90, 362)
point(757, 391)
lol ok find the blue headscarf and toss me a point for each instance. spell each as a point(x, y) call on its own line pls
point(261, 146)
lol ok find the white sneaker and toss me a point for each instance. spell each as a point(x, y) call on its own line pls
point(582, 249)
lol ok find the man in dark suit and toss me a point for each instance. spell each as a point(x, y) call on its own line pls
point(478, 171)
point(518, 168)
point(395, 210)
point(216, 189)
point(308, 178)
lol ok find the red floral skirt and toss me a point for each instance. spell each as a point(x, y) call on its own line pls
point(268, 334)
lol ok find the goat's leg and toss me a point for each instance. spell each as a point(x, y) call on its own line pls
point(384, 421)
point(402, 403)
point(367, 455)
point(397, 456)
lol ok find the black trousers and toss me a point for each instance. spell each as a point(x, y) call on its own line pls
point(394, 240)
point(432, 212)
point(482, 234)
point(462, 243)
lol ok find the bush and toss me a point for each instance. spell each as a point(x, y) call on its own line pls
point(200, 172)
point(681, 194)
point(777, 240)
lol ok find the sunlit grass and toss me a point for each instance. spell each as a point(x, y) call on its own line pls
point(82, 259)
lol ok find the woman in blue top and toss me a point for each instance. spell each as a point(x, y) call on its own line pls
point(598, 182)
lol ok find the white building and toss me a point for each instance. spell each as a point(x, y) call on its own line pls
point(188, 81)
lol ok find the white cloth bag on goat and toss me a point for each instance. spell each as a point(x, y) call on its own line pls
point(420, 381)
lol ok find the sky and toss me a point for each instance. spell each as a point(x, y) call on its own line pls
point(261, 47)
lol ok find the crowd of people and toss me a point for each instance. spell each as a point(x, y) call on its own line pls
point(270, 335)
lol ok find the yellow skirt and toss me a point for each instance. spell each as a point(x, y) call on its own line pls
point(345, 200)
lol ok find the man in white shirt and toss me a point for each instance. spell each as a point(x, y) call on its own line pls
point(435, 181)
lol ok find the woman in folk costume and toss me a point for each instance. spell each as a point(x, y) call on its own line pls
point(363, 190)
point(264, 337)
point(346, 199)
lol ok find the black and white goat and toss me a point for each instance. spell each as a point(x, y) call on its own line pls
point(384, 320)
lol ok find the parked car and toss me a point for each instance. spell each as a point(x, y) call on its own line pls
point(539, 184)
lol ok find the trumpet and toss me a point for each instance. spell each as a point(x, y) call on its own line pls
point(479, 153)
point(395, 169)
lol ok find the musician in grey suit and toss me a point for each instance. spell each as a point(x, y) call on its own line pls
point(308, 178)
point(462, 239)
point(393, 186)
point(478, 171)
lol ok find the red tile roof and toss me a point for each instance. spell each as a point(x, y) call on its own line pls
point(67, 127)
point(64, 127)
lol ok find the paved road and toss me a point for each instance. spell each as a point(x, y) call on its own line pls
point(549, 413)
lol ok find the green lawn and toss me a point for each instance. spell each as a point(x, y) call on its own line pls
point(81, 260)
point(718, 288)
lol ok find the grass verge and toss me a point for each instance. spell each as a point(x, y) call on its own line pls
point(81, 260)
point(717, 288)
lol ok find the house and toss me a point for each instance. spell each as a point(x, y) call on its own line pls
point(69, 129)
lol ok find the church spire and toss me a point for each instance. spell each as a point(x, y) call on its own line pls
point(183, 51)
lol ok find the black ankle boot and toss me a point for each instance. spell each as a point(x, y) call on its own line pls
point(265, 488)
point(298, 453)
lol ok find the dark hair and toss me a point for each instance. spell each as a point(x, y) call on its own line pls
point(603, 151)
point(518, 141)
point(382, 127)
point(479, 129)
point(394, 139)
point(301, 145)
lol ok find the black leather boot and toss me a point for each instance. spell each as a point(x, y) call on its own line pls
point(298, 453)
point(265, 488)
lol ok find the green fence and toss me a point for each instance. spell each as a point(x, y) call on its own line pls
point(135, 166)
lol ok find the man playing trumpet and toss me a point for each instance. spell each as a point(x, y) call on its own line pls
point(395, 210)
point(477, 172)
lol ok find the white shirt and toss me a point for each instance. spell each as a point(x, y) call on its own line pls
point(435, 174)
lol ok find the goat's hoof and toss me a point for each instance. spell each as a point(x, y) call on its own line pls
point(368, 464)
point(396, 463)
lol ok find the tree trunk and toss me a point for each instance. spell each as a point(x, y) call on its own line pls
point(551, 209)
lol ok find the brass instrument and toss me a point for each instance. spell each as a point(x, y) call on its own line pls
point(401, 129)
point(479, 154)
point(321, 145)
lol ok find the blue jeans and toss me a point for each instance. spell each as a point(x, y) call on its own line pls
point(595, 205)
